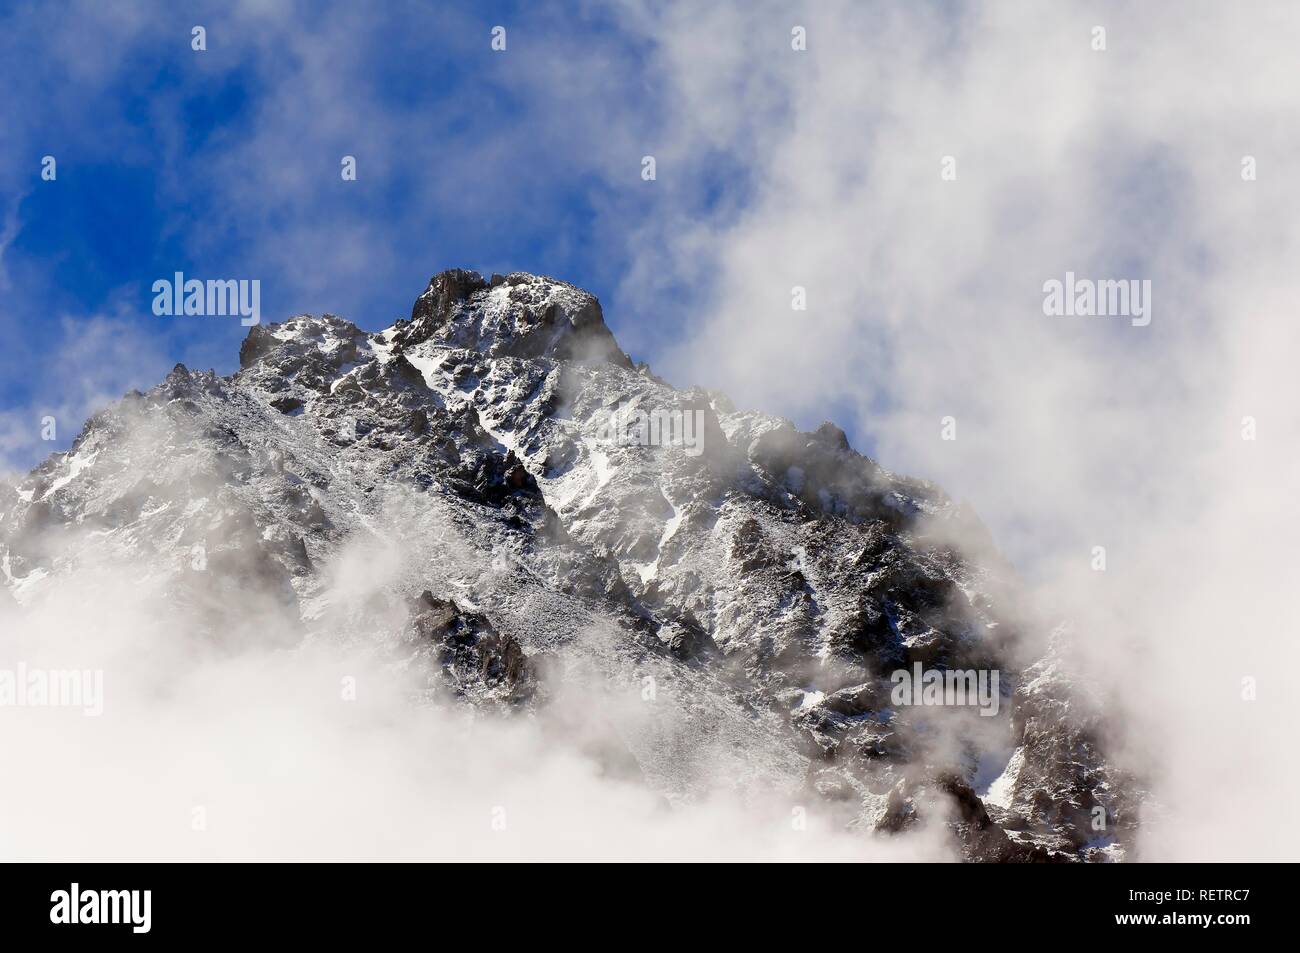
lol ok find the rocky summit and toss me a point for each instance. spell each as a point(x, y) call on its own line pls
point(559, 534)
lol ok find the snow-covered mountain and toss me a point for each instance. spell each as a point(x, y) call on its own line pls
point(552, 520)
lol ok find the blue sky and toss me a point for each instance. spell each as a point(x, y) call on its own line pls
point(225, 163)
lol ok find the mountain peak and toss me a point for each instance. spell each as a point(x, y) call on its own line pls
point(516, 315)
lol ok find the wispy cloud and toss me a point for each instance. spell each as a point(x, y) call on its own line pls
point(99, 359)
point(925, 301)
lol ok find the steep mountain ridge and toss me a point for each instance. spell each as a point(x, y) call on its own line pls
point(563, 518)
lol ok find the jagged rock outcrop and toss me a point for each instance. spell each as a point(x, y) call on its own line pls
point(478, 662)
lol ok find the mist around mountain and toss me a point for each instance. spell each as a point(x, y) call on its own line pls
point(479, 586)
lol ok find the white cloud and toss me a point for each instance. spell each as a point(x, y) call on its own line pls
point(209, 754)
point(95, 360)
point(925, 300)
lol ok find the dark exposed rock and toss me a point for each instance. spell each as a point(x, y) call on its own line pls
point(478, 661)
point(259, 343)
point(687, 639)
point(446, 289)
